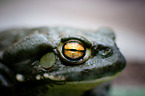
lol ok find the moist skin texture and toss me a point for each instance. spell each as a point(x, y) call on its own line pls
point(50, 62)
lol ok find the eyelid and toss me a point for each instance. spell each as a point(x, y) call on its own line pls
point(79, 38)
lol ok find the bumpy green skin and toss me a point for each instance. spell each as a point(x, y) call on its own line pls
point(22, 49)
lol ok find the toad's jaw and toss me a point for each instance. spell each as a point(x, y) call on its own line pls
point(76, 88)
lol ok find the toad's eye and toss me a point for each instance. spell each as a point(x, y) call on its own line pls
point(73, 50)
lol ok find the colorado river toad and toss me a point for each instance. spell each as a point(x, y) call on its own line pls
point(58, 61)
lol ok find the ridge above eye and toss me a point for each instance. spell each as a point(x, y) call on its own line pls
point(77, 38)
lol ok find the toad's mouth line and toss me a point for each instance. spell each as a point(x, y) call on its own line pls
point(98, 80)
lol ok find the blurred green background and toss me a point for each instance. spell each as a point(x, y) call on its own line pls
point(126, 17)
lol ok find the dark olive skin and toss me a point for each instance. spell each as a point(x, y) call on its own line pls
point(33, 61)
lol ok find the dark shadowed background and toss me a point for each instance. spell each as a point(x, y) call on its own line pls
point(126, 17)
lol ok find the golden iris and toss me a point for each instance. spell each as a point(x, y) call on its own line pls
point(74, 50)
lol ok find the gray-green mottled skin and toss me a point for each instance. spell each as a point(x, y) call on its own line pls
point(32, 62)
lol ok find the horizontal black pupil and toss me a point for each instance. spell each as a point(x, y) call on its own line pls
point(74, 50)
